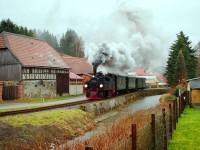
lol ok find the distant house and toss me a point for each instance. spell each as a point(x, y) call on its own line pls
point(31, 68)
point(152, 81)
point(79, 66)
point(193, 86)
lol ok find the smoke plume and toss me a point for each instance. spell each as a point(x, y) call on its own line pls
point(125, 41)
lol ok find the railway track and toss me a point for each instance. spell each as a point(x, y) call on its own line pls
point(37, 109)
point(49, 107)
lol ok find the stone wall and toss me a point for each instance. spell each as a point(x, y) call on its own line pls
point(40, 88)
point(99, 107)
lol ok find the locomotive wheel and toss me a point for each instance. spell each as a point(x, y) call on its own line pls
point(105, 94)
point(87, 94)
point(101, 94)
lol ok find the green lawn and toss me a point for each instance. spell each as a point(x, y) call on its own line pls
point(187, 134)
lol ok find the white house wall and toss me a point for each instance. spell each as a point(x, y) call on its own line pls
point(75, 89)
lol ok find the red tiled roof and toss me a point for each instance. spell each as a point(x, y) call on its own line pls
point(2, 45)
point(73, 76)
point(78, 65)
point(33, 52)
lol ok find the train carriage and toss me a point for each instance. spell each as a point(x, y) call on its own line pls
point(121, 84)
point(131, 85)
point(140, 83)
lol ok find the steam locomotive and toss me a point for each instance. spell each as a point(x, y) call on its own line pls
point(109, 85)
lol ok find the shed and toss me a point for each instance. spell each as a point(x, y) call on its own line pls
point(193, 85)
point(75, 84)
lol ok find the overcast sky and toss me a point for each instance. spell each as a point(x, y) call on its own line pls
point(169, 16)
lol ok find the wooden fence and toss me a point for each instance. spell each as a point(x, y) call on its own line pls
point(168, 121)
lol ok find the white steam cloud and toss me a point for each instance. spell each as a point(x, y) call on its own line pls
point(125, 41)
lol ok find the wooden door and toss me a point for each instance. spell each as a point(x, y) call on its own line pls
point(62, 83)
point(9, 92)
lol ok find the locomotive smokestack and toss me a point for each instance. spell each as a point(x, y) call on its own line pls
point(94, 69)
point(95, 65)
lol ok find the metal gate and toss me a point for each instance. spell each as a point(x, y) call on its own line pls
point(9, 92)
point(62, 82)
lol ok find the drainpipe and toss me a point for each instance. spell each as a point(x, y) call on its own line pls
point(76, 85)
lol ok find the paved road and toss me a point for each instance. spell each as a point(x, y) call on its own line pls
point(40, 104)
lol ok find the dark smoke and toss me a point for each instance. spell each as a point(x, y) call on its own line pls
point(131, 42)
point(102, 56)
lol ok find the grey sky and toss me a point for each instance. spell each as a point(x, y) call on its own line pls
point(169, 16)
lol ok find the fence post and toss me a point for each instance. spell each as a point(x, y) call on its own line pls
point(134, 136)
point(88, 148)
point(174, 114)
point(170, 120)
point(179, 106)
point(183, 101)
point(177, 111)
point(165, 130)
point(153, 130)
point(190, 99)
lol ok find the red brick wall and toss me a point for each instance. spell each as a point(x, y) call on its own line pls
point(20, 89)
point(1, 90)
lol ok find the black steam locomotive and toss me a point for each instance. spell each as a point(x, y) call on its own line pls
point(109, 85)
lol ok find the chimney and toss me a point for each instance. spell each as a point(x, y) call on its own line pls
point(95, 65)
point(94, 69)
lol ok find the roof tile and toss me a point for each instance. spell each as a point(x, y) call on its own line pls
point(73, 76)
point(78, 65)
point(34, 52)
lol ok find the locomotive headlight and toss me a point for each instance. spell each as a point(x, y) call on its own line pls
point(85, 85)
point(101, 85)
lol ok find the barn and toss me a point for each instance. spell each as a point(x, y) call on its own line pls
point(193, 85)
point(30, 68)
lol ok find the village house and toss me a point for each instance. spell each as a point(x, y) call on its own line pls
point(30, 68)
point(80, 67)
